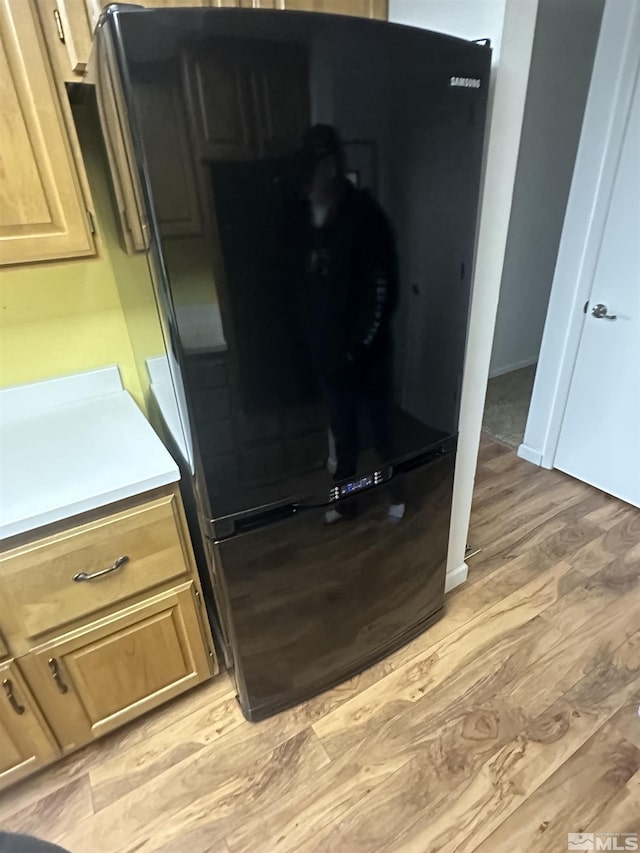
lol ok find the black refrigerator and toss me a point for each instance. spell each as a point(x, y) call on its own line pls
point(307, 192)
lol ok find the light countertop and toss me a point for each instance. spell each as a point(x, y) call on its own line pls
point(71, 445)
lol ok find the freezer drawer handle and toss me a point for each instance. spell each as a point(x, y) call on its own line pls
point(8, 689)
point(83, 576)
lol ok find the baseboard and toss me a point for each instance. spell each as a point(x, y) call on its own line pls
point(529, 454)
point(455, 577)
point(509, 368)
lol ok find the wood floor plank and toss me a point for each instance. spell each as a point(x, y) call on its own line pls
point(116, 743)
point(570, 799)
point(610, 512)
point(489, 449)
point(440, 762)
point(54, 812)
point(500, 513)
point(624, 537)
point(564, 664)
point(467, 654)
point(627, 720)
point(622, 813)
point(556, 528)
point(226, 768)
point(507, 779)
point(620, 540)
point(587, 599)
point(128, 769)
point(196, 843)
point(315, 804)
point(591, 557)
point(263, 788)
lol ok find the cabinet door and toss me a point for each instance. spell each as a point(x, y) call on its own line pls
point(218, 90)
point(96, 678)
point(95, 7)
point(160, 104)
point(359, 8)
point(25, 741)
point(42, 210)
point(281, 96)
point(4, 649)
point(74, 26)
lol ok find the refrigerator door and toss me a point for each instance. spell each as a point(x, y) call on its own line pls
point(308, 605)
point(315, 320)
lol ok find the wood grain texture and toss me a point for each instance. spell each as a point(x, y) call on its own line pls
point(26, 742)
point(571, 798)
point(43, 213)
point(115, 668)
point(36, 579)
point(513, 721)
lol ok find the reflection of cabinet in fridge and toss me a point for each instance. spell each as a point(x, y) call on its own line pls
point(243, 130)
point(160, 102)
point(361, 8)
point(236, 101)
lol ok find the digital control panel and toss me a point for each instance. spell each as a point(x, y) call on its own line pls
point(356, 485)
point(343, 490)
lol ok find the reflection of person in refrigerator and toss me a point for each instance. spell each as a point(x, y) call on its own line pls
point(350, 283)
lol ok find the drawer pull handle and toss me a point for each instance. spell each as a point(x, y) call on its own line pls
point(8, 689)
point(55, 672)
point(83, 576)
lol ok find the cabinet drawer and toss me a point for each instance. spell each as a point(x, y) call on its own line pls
point(37, 580)
point(97, 678)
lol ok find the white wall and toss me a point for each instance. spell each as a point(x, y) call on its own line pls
point(467, 19)
point(510, 25)
point(564, 46)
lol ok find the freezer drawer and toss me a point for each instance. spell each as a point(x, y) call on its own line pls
point(309, 605)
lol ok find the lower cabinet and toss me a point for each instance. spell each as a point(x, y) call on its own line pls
point(26, 742)
point(104, 674)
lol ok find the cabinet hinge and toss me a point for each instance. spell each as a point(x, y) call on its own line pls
point(59, 27)
point(92, 223)
point(197, 594)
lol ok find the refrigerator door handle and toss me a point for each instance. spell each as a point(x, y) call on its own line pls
point(230, 525)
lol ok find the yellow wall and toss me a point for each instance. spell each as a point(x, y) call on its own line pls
point(61, 318)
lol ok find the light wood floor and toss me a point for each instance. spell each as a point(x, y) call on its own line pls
point(513, 721)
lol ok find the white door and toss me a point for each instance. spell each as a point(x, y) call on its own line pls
point(600, 433)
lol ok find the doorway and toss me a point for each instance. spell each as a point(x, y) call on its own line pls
point(564, 46)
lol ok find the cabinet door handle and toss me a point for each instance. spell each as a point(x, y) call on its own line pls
point(8, 689)
point(83, 576)
point(55, 672)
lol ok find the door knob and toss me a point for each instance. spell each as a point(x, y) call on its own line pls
point(599, 311)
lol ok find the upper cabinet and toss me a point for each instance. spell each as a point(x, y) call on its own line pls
point(70, 23)
point(247, 107)
point(43, 213)
point(162, 115)
point(69, 27)
point(280, 88)
point(359, 8)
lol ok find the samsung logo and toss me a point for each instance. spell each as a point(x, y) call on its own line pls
point(465, 82)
